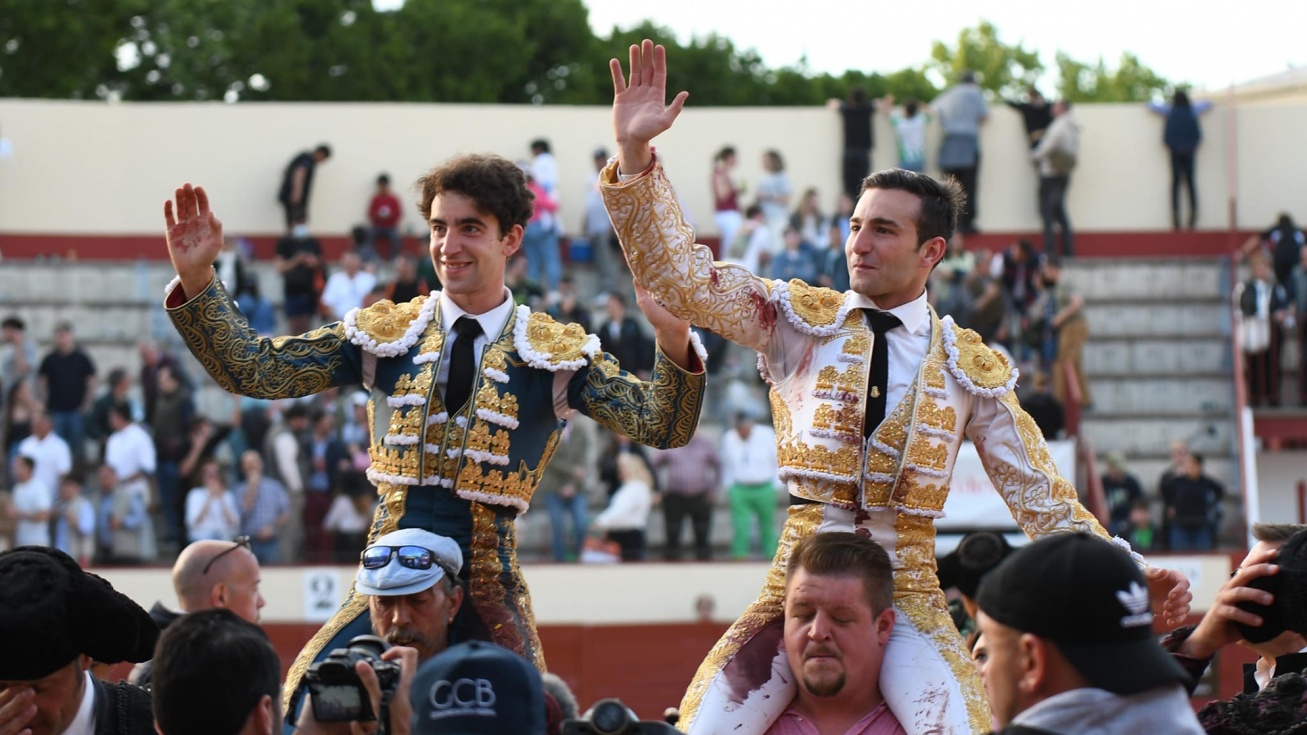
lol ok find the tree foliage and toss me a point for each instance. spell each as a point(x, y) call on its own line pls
point(486, 51)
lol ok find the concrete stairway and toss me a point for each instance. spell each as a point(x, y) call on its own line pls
point(1159, 363)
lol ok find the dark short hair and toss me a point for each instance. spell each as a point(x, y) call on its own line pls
point(1276, 533)
point(384, 179)
point(211, 669)
point(845, 554)
point(13, 322)
point(27, 462)
point(122, 410)
point(940, 200)
point(296, 411)
point(727, 150)
point(540, 144)
point(116, 376)
point(494, 184)
point(324, 149)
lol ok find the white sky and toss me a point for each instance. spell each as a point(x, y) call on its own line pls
point(1209, 43)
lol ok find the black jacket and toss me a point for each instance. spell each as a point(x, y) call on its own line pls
point(122, 709)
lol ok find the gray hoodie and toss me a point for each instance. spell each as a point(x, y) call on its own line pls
point(1098, 712)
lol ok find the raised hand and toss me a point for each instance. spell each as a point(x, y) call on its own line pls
point(194, 237)
point(640, 109)
point(1170, 595)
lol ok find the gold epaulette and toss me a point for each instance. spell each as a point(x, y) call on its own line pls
point(387, 329)
point(980, 369)
point(548, 345)
point(811, 308)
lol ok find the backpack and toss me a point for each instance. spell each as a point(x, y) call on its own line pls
point(1062, 160)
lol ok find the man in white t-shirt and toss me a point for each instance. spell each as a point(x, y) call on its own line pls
point(347, 287)
point(30, 505)
point(49, 453)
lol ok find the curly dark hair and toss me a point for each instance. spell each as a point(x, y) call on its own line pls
point(495, 184)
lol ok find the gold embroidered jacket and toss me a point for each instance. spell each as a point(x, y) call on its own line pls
point(816, 354)
point(494, 450)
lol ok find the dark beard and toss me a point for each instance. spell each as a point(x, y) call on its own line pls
point(827, 689)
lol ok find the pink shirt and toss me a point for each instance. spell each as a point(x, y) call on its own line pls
point(880, 721)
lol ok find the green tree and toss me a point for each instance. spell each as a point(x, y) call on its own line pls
point(60, 48)
point(1130, 81)
point(1001, 68)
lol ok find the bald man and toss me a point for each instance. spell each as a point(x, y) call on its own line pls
point(209, 575)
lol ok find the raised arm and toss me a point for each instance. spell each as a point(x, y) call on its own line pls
point(218, 334)
point(658, 243)
point(662, 412)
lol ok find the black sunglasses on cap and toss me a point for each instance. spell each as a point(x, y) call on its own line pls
point(238, 543)
point(413, 557)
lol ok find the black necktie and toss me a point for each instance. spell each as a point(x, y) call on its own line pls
point(881, 322)
point(462, 364)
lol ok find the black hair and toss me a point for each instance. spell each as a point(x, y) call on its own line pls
point(13, 322)
point(383, 180)
point(494, 184)
point(211, 670)
point(940, 200)
point(540, 145)
point(324, 149)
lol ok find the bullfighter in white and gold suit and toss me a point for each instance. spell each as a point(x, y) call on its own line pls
point(888, 481)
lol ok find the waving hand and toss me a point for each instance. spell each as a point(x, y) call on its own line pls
point(640, 109)
point(194, 237)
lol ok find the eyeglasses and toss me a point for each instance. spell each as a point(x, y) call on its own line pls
point(412, 557)
point(238, 543)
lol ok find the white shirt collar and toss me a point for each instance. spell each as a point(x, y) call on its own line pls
point(914, 314)
point(492, 322)
point(84, 722)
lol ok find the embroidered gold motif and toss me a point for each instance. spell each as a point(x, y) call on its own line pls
point(815, 305)
point(933, 372)
point(489, 398)
point(917, 595)
point(663, 412)
point(857, 344)
point(481, 439)
point(841, 385)
point(929, 413)
point(802, 523)
point(780, 414)
point(799, 455)
point(497, 590)
point(925, 453)
point(986, 367)
point(385, 321)
point(563, 342)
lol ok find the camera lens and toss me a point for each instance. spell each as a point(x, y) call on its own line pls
point(610, 717)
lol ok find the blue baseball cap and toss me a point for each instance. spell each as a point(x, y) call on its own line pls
point(478, 688)
point(395, 579)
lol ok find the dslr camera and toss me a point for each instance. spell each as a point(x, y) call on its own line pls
point(611, 717)
point(334, 686)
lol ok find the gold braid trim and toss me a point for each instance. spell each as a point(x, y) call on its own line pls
point(242, 362)
point(802, 523)
point(662, 413)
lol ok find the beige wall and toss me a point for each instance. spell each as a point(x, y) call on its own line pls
point(91, 168)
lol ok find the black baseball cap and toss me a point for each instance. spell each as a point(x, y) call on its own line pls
point(1087, 597)
point(979, 553)
point(478, 688)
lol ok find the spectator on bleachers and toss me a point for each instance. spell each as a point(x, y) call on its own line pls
point(1182, 136)
point(961, 110)
point(568, 309)
point(622, 337)
point(1044, 409)
point(857, 121)
point(347, 287)
point(807, 218)
point(564, 489)
point(348, 520)
point(1140, 531)
point(125, 504)
point(1016, 271)
point(627, 516)
point(67, 381)
point(204, 440)
point(1059, 312)
point(726, 198)
point(692, 477)
point(796, 260)
point(327, 459)
point(211, 511)
point(1121, 489)
point(174, 408)
point(19, 408)
point(1284, 243)
point(257, 308)
point(124, 479)
point(753, 243)
point(1055, 157)
point(1264, 312)
point(832, 260)
point(774, 192)
point(1193, 505)
point(303, 276)
point(748, 455)
point(524, 290)
point(1298, 285)
point(384, 215)
point(74, 522)
point(155, 359)
point(48, 451)
point(18, 359)
point(118, 391)
point(987, 312)
point(264, 508)
point(233, 268)
point(910, 131)
point(540, 239)
point(30, 505)
point(288, 464)
point(407, 284)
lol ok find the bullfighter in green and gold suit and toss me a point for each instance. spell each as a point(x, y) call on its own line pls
point(465, 471)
